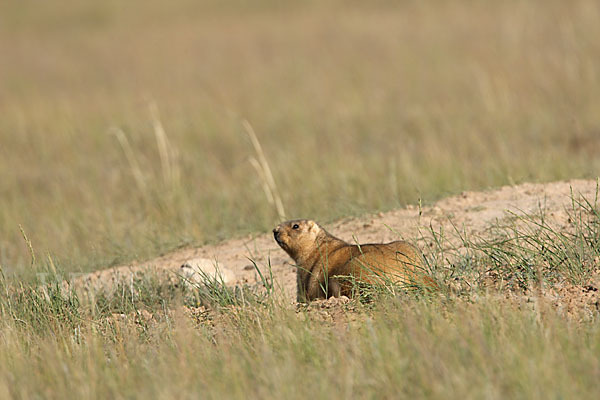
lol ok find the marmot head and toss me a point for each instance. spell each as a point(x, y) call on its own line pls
point(297, 237)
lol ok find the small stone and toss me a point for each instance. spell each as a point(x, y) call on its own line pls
point(198, 270)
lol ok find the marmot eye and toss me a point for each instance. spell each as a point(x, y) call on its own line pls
point(296, 226)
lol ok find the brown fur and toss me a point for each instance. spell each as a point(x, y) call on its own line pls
point(326, 264)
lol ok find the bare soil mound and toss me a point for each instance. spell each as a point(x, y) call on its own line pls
point(472, 212)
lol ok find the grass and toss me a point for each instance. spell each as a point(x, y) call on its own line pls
point(162, 340)
point(130, 129)
point(212, 292)
point(398, 348)
point(521, 252)
point(122, 126)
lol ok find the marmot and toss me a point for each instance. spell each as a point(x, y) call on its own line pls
point(327, 265)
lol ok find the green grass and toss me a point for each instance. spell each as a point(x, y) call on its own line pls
point(522, 251)
point(122, 136)
point(358, 108)
point(154, 339)
point(400, 347)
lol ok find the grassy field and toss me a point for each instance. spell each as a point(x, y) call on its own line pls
point(358, 108)
point(401, 349)
point(123, 135)
point(160, 341)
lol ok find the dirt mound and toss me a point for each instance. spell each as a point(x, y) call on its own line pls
point(473, 212)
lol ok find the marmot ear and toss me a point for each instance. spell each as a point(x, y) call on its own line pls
point(311, 225)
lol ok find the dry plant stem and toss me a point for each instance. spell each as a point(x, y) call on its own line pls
point(29, 246)
point(131, 159)
point(264, 172)
point(167, 154)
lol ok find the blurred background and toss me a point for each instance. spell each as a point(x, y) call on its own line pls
point(122, 131)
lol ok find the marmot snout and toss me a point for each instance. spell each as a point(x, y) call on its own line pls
point(297, 237)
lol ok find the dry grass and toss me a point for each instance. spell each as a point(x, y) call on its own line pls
point(122, 135)
point(150, 338)
point(357, 107)
point(403, 347)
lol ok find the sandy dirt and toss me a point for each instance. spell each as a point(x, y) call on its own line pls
point(472, 211)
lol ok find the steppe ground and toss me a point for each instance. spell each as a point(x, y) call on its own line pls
point(124, 135)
